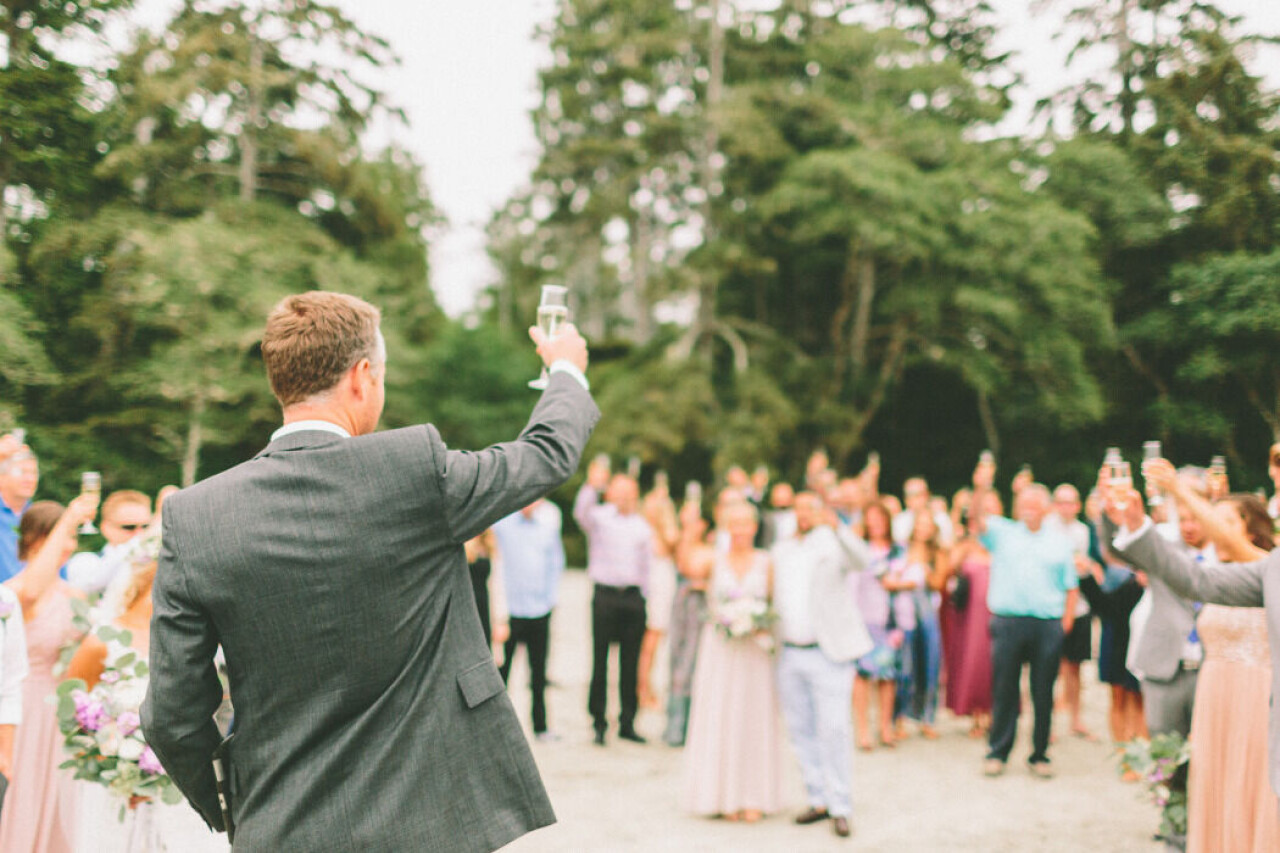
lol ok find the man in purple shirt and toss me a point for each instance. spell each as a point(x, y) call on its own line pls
point(619, 550)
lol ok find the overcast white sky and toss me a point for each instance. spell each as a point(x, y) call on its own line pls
point(467, 83)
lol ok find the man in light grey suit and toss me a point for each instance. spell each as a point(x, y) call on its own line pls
point(1255, 584)
point(822, 635)
point(369, 714)
point(1166, 653)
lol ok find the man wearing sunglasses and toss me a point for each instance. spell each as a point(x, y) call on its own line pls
point(125, 514)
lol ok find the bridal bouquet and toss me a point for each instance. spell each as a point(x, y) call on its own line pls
point(746, 617)
point(103, 729)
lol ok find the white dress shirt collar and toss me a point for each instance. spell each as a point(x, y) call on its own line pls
point(303, 426)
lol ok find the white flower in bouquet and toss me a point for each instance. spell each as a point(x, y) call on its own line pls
point(108, 738)
point(128, 694)
point(131, 749)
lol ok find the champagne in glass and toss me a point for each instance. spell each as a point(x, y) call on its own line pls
point(1151, 451)
point(553, 312)
point(20, 436)
point(693, 494)
point(1121, 478)
point(90, 484)
point(633, 468)
point(1218, 477)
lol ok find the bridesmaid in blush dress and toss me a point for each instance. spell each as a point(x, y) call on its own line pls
point(1231, 806)
point(39, 808)
point(733, 760)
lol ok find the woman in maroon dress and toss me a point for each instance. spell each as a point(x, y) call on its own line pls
point(967, 647)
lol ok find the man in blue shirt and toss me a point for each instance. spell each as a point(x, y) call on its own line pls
point(533, 560)
point(1032, 599)
point(19, 478)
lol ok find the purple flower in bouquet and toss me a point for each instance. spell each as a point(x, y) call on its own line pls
point(89, 712)
point(129, 722)
point(148, 763)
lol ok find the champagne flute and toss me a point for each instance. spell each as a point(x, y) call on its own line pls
point(553, 312)
point(90, 484)
point(1218, 477)
point(1121, 478)
point(1151, 451)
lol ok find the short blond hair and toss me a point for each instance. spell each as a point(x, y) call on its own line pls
point(313, 338)
point(124, 497)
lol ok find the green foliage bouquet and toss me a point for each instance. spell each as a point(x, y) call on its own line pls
point(103, 729)
point(1162, 764)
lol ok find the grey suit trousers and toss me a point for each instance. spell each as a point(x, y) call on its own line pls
point(1168, 704)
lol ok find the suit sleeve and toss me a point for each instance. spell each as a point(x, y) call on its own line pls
point(1234, 584)
point(478, 488)
point(184, 691)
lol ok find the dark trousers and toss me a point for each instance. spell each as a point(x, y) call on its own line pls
point(1018, 640)
point(617, 616)
point(535, 634)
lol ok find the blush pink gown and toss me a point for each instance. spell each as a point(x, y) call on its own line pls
point(39, 809)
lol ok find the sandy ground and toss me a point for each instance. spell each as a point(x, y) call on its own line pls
point(921, 796)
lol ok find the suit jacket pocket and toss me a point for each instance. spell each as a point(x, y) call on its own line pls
point(479, 683)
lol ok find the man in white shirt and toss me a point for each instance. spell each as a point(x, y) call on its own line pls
point(125, 515)
point(1077, 646)
point(822, 635)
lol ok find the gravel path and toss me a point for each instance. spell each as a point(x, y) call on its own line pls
point(921, 796)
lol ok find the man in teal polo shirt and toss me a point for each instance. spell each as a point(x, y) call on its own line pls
point(19, 477)
point(1032, 599)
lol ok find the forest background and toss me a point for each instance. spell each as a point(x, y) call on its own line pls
point(785, 225)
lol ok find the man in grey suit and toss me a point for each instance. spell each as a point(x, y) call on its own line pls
point(1255, 584)
point(1166, 653)
point(369, 714)
point(822, 635)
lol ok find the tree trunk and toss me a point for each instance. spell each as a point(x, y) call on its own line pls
point(707, 286)
point(862, 319)
point(1124, 44)
point(253, 118)
point(988, 419)
point(195, 437)
point(642, 244)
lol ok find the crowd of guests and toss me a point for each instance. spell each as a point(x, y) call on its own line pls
point(879, 612)
point(832, 616)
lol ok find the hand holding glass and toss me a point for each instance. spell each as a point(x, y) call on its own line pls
point(553, 312)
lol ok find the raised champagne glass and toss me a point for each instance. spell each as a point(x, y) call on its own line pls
point(1151, 451)
point(90, 484)
point(553, 312)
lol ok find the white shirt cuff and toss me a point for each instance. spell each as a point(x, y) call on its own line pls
point(1125, 537)
point(563, 365)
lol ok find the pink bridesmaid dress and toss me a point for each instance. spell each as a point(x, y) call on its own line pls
point(39, 808)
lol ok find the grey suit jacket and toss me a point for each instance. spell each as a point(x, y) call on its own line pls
point(369, 714)
point(1236, 584)
point(1158, 648)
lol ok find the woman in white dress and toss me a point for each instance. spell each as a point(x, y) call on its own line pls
point(148, 827)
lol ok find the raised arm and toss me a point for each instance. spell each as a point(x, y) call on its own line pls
point(1236, 584)
point(184, 691)
point(42, 569)
point(1232, 545)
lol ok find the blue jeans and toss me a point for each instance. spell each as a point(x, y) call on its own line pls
point(816, 693)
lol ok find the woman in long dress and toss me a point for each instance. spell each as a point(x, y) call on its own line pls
point(39, 808)
point(147, 827)
point(968, 649)
point(1230, 803)
point(733, 759)
point(660, 512)
point(880, 665)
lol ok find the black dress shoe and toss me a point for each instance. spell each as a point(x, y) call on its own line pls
point(841, 826)
point(812, 816)
point(630, 734)
point(600, 737)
